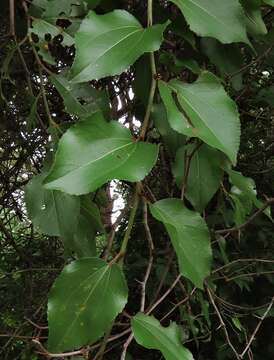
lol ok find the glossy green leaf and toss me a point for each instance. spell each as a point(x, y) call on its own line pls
point(94, 100)
point(205, 111)
point(83, 301)
point(205, 174)
point(108, 44)
point(254, 20)
point(149, 333)
point(190, 238)
point(52, 212)
point(93, 152)
point(227, 58)
point(223, 20)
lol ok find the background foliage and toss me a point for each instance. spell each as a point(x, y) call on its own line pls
point(148, 98)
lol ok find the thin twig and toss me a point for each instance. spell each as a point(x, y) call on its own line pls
point(253, 62)
point(252, 338)
point(150, 261)
point(12, 19)
point(126, 345)
point(165, 272)
point(222, 324)
point(185, 299)
point(187, 159)
point(162, 298)
point(248, 221)
point(133, 211)
point(153, 86)
point(242, 260)
point(113, 231)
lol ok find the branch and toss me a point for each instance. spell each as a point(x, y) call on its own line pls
point(222, 324)
point(248, 221)
point(153, 77)
point(162, 298)
point(150, 262)
point(12, 21)
point(252, 338)
point(130, 223)
point(188, 159)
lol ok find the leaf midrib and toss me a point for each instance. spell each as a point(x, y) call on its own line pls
point(92, 161)
point(207, 12)
point(110, 48)
point(88, 297)
point(175, 345)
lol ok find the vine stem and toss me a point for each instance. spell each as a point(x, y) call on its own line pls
point(133, 211)
point(153, 76)
point(143, 132)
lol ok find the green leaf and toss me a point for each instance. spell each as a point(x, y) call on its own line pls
point(177, 120)
point(84, 239)
point(246, 189)
point(93, 152)
point(41, 28)
point(72, 94)
point(83, 302)
point(269, 2)
point(205, 111)
point(254, 20)
point(52, 212)
point(223, 20)
point(181, 28)
point(205, 174)
point(149, 333)
point(176, 65)
point(172, 139)
point(31, 118)
point(57, 8)
point(227, 58)
point(190, 238)
point(108, 44)
point(142, 81)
